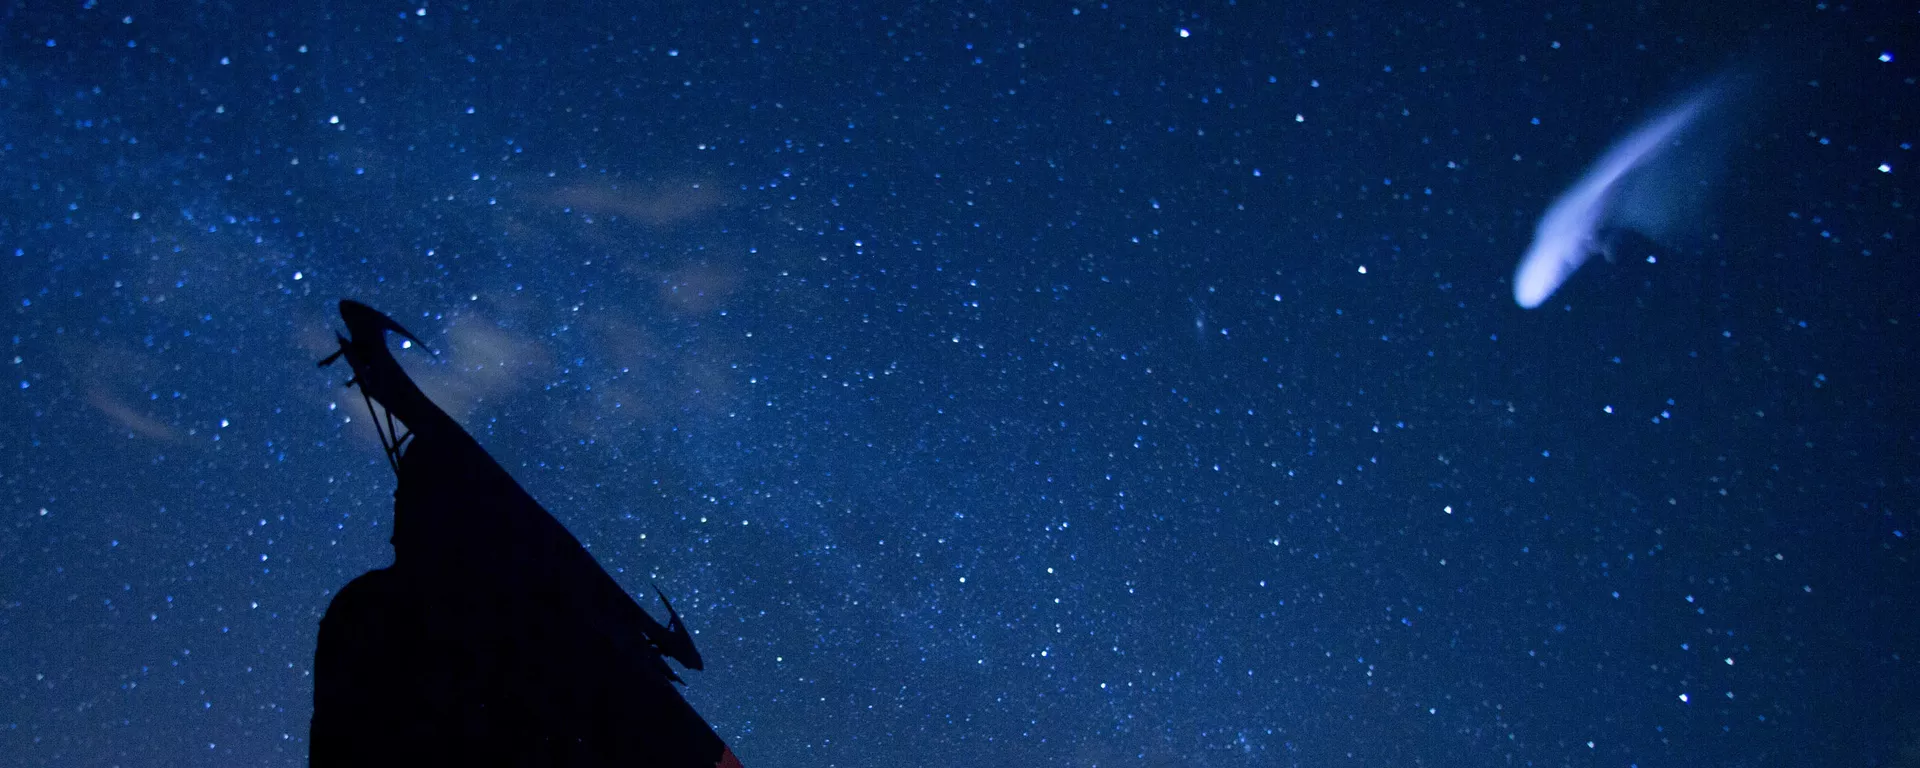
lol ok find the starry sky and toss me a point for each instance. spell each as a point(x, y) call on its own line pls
point(1066, 384)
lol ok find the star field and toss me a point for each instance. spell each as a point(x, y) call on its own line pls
point(986, 383)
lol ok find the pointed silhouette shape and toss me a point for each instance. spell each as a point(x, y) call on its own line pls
point(494, 638)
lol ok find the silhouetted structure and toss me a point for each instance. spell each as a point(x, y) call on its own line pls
point(494, 638)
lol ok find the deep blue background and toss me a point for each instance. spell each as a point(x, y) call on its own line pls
point(990, 384)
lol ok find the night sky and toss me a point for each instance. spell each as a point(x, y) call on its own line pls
point(988, 383)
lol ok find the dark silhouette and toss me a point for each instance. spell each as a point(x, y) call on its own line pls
point(494, 638)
